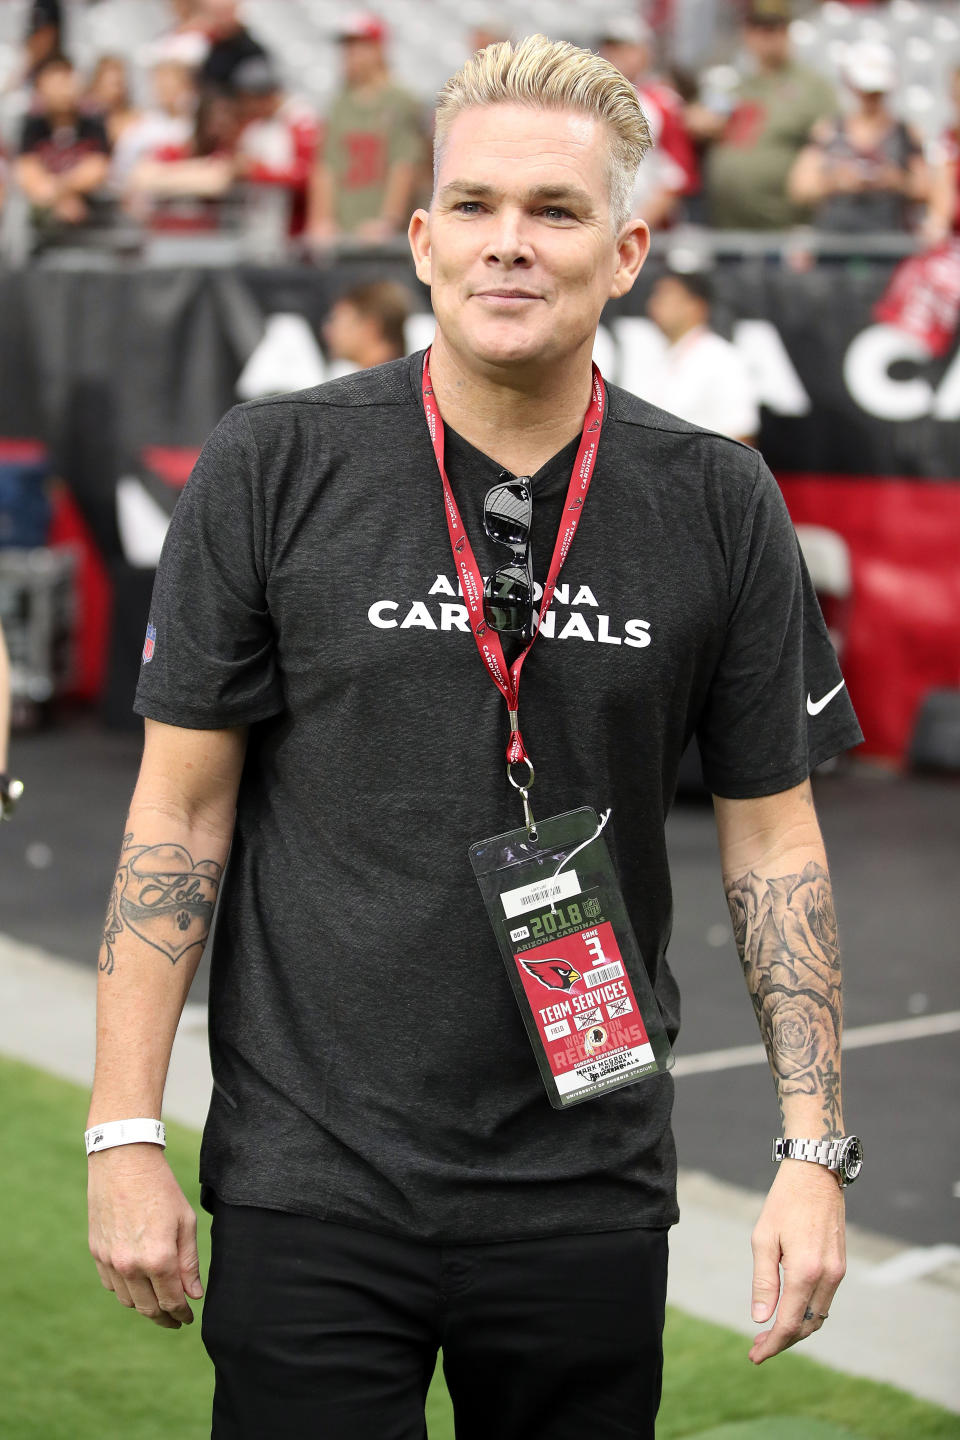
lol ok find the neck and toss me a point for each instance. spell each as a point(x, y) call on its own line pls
point(520, 422)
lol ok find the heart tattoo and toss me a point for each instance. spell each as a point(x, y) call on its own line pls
point(164, 897)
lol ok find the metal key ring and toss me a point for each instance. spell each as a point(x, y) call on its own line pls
point(510, 765)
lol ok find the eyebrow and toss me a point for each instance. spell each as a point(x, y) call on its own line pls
point(478, 190)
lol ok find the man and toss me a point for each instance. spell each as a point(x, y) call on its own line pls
point(385, 1171)
point(701, 377)
point(373, 148)
point(365, 326)
point(64, 155)
point(774, 108)
point(231, 44)
point(278, 140)
point(671, 171)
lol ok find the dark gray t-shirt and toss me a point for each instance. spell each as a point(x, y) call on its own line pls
point(370, 1063)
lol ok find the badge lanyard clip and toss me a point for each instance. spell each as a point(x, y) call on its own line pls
point(524, 790)
point(507, 679)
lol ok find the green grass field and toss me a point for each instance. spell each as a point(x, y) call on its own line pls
point(77, 1366)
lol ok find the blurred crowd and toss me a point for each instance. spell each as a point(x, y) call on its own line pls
point(197, 132)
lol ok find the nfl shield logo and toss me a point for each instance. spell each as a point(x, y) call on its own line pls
point(149, 644)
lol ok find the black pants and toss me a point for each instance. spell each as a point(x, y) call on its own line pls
point(324, 1332)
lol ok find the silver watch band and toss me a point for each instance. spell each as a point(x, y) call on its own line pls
point(822, 1152)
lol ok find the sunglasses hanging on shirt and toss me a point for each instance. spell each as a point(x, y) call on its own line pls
point(508, 593)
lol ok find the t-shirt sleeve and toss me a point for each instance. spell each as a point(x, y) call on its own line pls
point(33, 132)
point(406, 140)
point(209, 660)
point(777, 705)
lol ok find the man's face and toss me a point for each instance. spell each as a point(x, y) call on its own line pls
point(631, 59)
point(58, 88)
point(220, 17)
point(768, 44)
point(343, 331)
point(362, 60)
point(518, 248)
point(673, 309)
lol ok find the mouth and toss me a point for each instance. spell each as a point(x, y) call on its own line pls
point(510, 296)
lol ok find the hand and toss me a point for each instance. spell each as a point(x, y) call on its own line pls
point(801, 1228)
point(143, 1233)
point(375, 230)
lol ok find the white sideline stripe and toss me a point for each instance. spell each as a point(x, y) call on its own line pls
point(913, 1264)
point(920, 1027)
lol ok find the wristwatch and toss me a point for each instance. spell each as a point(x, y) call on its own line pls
point(10, 792)
point(843, 1156)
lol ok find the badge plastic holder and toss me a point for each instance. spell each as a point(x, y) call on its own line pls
point(573, 960)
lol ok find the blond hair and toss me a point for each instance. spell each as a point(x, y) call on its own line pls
point(554, 75)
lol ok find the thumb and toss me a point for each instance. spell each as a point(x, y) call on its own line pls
point(765, 1291)
point(188, 1258)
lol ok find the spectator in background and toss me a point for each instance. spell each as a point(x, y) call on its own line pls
point(182, 187)
point(864, 171)
point(278, 140)
point(230, 43)
point(365, 326)
point(108, 96)
point(43, 37)
point(943, 216)
point(186, 42)
point(41, 41)
point(701, 377)
point(753, 147)
point(374, 147)
point(670, 171)
point(167, 123)
point(64, 155)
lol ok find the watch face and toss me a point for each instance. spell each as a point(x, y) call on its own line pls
point(851, 1159)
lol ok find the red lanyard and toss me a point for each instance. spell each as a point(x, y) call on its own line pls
point(507, 680)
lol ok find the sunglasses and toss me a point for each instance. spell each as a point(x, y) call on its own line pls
point(508, 594)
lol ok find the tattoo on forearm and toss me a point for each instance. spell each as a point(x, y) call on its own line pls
point(786, 933)
point(162, 896)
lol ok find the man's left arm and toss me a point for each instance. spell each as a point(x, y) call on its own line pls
point(781, 905)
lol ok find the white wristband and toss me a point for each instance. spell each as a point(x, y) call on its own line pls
point(124, 1132)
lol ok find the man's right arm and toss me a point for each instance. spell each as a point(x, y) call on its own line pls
point(142, 1230)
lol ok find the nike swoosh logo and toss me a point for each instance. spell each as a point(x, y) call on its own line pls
point(815, 706)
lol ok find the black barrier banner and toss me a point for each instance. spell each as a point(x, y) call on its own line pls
point(124, 373)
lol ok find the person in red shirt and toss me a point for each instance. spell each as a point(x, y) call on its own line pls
point(278, 142)
point(182, 186)
point(671, 172)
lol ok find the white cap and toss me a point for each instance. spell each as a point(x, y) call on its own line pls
point(870, 66)
point(626, 30)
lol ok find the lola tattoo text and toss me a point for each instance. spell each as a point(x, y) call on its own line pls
point(786, 933)
point(162, 896)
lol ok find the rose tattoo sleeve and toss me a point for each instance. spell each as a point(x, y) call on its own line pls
point(786, 933)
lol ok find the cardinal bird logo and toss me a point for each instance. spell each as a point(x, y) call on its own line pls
point(460, 544)
point(594, 426)
point(554, 974)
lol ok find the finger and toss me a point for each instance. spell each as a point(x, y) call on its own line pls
point(765, 1290)
point(170, 1297)
point(119, 1288)
point(790, 1325)
point(147, 1304)
point(188, 1257)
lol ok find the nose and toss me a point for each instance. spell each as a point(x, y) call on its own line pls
point(508, 243)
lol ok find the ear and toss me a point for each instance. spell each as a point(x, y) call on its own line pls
point(633, 246)
point(419, 236)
